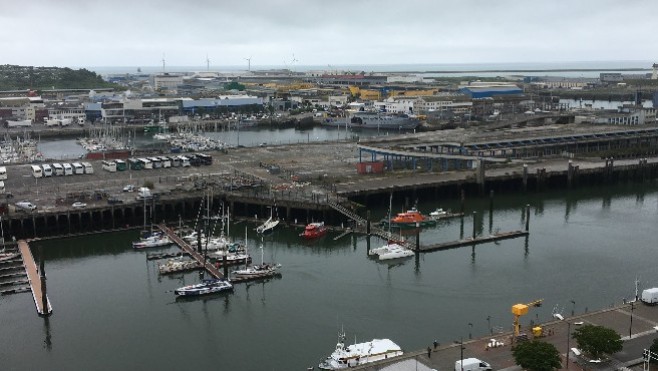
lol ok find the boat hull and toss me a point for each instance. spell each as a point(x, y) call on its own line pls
point(409, 225)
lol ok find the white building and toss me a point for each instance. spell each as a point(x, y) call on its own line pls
point(401, 104)
point(167, 81)
point(441, 103)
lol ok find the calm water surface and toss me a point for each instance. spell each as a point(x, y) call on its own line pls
point(113, 311)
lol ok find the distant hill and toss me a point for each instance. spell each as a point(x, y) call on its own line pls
point(36, 78)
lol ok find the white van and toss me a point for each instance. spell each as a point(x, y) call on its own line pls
point(77, 168)
point(47, 170)
point(472, 364)
point(58, 169)
point(3, 173)
point(36, 171)
point(68, 169)
point(88, 168)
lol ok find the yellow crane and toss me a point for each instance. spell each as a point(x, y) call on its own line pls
point(519, 310)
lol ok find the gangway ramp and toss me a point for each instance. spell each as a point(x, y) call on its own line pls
point(35, 280)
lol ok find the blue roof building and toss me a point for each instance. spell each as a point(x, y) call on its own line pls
point(490, 91)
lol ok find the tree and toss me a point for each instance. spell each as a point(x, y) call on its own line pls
point(537, 356)
point(597, 340)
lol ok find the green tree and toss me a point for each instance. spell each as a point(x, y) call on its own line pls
point(537, 356)
point(597, 340)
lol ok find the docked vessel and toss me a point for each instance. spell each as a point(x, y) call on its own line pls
point(409, 219)
point(376, 121)
point(5, 256)
point(395, 251)
point(207, 286)
point(156, 240)
point(314, 230)
point(258, 271)
point(178, 265)
point(438, 213)
point(268, 225)
point(359, 354)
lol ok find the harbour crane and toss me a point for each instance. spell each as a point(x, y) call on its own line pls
point(519, 310)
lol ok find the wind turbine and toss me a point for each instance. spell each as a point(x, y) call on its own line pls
point(163, 62)
point(248, 63)
point(292, 62)
point(207, 63)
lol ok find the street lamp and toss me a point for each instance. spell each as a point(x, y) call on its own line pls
point(489, 325)
point(558, 316)
point(573, 307)
point(470, 330)
point(630, 328)
point(461, 352)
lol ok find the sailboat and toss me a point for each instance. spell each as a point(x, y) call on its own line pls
point(257, 271)
point(269, 224)
point(391, 250)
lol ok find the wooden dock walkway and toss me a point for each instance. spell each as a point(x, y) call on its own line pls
point(472, 241)
point(190, 250)
point(208, 266)
point(34, 278)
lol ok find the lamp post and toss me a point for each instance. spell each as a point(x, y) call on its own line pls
point(470, 330)
point(568, 336)
point(630, 328)
point(489, 325)
point(573, 307)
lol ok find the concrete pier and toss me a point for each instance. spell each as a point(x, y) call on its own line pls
point(35, 279)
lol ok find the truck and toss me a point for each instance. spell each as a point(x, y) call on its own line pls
point(650, 296)
point(472, 364)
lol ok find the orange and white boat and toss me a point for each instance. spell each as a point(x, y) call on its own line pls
point(411, 218)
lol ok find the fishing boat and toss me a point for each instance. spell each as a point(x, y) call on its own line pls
point(411, 218)
point(390, 245)
point(268, 225)
point(152, 241)
point(359, 354)
point(207, 286)
point(314, 230)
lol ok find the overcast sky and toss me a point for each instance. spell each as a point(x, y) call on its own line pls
point(323, 32)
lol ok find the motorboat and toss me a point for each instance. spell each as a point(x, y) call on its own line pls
point(384, 249)
point(152, 241)
point(178, 265)
point(207, 286)
point(314, 230)
point(5, 256)
point(411, 218)
point(359, 354)
point(438, 213)
point(396, 252)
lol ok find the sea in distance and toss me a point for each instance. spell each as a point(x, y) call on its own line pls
point(112, 310)
point(566, 69)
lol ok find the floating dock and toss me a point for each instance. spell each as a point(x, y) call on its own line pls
point(473, 241)
point(35, 280)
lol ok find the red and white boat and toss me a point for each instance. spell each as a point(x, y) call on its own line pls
point(314, 230)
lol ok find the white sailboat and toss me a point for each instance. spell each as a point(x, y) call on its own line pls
point(269, 224)
point(257, 271)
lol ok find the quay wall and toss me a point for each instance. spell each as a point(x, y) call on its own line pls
point(299, 209)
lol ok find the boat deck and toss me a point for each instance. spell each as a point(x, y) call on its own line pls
point(34, 279)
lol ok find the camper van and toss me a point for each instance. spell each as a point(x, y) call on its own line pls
point(36, 171)
point(78, 169)
point(58, 169)
point(472, 364)
point(68, 169)
point(89, 169)
point(47, 170)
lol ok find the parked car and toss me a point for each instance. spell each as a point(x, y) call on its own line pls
point(79, 205)
point(129, 188)
point(114, 200)
point(26, 205)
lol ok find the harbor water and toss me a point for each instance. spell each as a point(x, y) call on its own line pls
point(112, 310)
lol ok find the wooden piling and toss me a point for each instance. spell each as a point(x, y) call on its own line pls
point(527, 217)
point(525, 177)
point(474, 216)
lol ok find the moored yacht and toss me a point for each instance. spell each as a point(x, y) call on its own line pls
point(359, 354)
point(207, 286)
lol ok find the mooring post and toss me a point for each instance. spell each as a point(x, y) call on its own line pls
point(570, 175)
point(491, 200)
point(474, 216)
point(527, 217)
point(42, 278)
point(198, 238)
point(525, 177)
point(417, 237)
point(368, 223)
point(225, 264)
point(463, 197)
